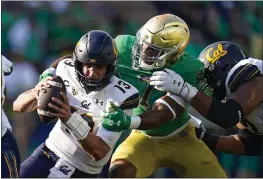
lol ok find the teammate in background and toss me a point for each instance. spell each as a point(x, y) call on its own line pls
point(10, 154)
point(237, 85)
point(78, 146)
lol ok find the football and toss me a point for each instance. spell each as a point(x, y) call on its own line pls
point(45, 97)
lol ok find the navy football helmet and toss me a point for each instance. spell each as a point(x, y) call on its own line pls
point(95, 48)
point(218, 59)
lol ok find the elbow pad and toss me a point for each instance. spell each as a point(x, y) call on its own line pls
point(225, 114)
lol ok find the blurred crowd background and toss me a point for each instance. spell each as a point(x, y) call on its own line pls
point(35, 33)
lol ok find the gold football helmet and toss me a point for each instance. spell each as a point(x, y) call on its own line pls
point(160, 42)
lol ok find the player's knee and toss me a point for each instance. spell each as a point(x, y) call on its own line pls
point(122, 169)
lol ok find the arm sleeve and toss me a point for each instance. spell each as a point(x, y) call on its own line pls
point(225, 114)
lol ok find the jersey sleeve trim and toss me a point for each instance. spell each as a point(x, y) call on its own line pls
point(241, 75)
point(131, 102)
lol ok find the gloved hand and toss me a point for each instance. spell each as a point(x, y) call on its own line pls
point(117, 120)
point(48, 72)
point(200, 132)
point(172, 82)
point(7, 66)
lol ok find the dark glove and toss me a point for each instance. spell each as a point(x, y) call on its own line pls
point(208, 138)
point(200, 132)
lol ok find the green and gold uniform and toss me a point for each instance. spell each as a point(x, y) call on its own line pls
point(174, 144)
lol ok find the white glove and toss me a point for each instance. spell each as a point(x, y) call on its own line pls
point(6, 65)
point(172, 82)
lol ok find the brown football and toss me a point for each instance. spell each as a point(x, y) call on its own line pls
point(45, 97)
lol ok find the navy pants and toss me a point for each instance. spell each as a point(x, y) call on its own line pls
point(11, 159)
point(41, 161)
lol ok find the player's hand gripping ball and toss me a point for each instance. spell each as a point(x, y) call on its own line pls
point(56, 85)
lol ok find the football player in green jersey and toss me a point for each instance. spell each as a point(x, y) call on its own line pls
point(166, 137)
point(159, 44)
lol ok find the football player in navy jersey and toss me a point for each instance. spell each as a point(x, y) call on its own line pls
point(237, 87)
point(11, 159)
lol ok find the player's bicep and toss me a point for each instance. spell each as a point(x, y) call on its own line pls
point(171, 105)
point(250, 95)
point(162, 111)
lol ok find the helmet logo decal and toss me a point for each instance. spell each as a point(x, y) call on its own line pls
point(74, 90)
point(219, 52)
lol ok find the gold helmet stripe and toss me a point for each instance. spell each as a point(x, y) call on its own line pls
point(77, 44)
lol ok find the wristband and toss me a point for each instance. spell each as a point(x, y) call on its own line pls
point(210, 140)
point(135, 122)
point(188, 91)
point(78, 127)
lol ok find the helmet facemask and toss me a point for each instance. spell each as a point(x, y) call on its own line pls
point(94, 84)
point(94, 49)
point(148, 56)
point(209, 83)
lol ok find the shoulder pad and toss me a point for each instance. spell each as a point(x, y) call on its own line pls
point(66, 64)
point(241, 73)
point(122, 92)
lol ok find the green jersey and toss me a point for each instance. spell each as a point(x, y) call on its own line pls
point(186, 66)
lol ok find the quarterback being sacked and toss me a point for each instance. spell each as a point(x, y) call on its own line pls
point(237, 85)
point(9, 150)
point(78, 146)
point(159, 43)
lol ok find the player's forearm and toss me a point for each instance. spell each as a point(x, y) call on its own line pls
point(165, 108)
point(154, 118)
point(230, 144)
point(80, 130)
point(226, 114)
point(201, 103)
point(25, 102)
point(95, 146)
